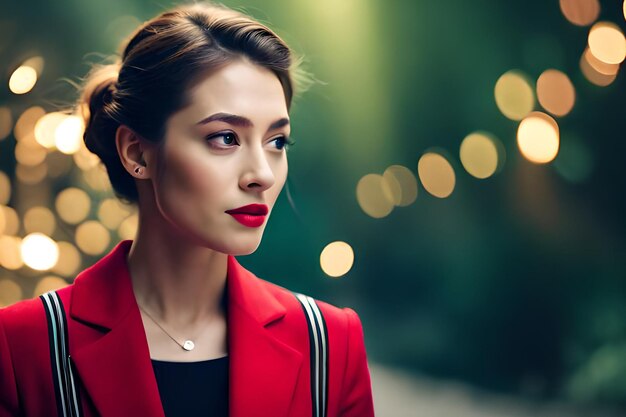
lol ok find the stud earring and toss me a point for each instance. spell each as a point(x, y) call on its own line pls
point(139, 171)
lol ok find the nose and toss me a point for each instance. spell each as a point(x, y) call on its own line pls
point(258, 173)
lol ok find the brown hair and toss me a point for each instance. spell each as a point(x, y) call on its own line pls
point(160, 61)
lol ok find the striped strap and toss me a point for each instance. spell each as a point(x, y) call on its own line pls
point(68, 402)
point(318, 340)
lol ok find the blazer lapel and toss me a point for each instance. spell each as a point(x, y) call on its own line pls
point(263, 370)
point(115, 369)
point(115, 365)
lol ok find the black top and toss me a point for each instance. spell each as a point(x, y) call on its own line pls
point(193, 388)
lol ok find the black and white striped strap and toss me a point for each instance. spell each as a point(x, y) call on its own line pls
point(68, 402)
point(318, 340)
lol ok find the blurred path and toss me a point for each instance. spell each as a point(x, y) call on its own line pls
point(399, 394)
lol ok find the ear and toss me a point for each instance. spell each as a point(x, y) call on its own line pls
point(134, 152)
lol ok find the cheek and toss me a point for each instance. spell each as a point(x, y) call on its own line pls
point(190, 181)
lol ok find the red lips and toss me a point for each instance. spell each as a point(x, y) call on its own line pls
point(255, 209)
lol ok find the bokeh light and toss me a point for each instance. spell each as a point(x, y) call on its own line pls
point(22, 80)
point(479, 154)
point(84, 159)
point(538, 137)
point(10, 292)
point(37, 63)
point(607, 43)
point(514, 95)
point(402, 184)
point(30, 154)
point(73, 205)
point(39, 251)
point(49, 283)
point(25, 125)
point(39, 219)
point(593, 76)
point(337, 259)
point(374, 196)
point(69, 134)
point(6, 122)
point(92, 237)
point(97, 178)
point(111, 213)
point(5, 188)
point(128, 227)
point(69, 261)
point(45, 129)
point(31, 174)
point(11, 220)
point(555, 92)
point(599, 66)
point(10, 252)
point(436, 174)
point(580, 12)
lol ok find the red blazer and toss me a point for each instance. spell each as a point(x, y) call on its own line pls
point(267, 338)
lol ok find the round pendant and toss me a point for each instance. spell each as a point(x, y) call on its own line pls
point(188, 345)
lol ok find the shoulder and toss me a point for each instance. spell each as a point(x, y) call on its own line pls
point(335, 314)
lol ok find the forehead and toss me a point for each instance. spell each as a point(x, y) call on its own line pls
point(241, 88)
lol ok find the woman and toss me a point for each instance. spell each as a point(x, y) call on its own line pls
point(192, 125)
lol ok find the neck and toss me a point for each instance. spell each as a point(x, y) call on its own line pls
point(179, 283)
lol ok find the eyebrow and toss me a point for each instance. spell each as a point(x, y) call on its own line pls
point(241, 121)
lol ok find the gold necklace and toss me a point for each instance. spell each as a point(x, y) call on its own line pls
point(188, 344)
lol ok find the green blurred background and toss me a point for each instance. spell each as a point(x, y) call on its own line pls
point(514, 284)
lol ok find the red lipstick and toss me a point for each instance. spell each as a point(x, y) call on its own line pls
point(252, 215)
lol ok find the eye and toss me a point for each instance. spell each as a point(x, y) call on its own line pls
point(283, 142)
point(227, 138)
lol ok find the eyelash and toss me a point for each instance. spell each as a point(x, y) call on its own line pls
point(287, 141)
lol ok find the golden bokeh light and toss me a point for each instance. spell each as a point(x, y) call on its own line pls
point(10, 292)
point(555, 92)
point(73, 205)
point(97, 178)
point(69, 134)
point(514, 95)
point(599, 66)
point(6, 122)
point(128, 227)
point(25, 125)
point(84, 159)
point(29, 154)
point(45, 128)
point(580, 12)
point(593, 76)
point(538, 138)
point(69, 261)
point(402, 184)
point(49, 283)
point(5, 188)
point(607, 43)
point(11, 220)
point(111, 213)
point(39, 219)
point(337, 259)
point(92, 237)
point(436, 174)
point(37, 63)
point(31, 174)
point(10, 253)
point(23, 80)
point(479, 154)
point(374, 196)
point(39, 252)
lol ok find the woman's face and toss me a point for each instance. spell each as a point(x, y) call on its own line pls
point(225, 150)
